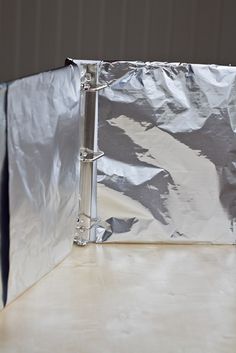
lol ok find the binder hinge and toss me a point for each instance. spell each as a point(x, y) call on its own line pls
point(87, 155)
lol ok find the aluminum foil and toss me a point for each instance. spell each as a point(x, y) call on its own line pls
point(43, 142)
point(169, 170)
point(3, 197)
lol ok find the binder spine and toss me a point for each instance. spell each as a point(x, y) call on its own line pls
point(89, 154)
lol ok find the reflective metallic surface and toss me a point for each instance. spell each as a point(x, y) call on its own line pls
point(43, 141)
point(3, 203)
point(169, 170)
point(87, 218)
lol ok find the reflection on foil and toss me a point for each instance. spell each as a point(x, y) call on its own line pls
point(168, 134)
point(43, 143)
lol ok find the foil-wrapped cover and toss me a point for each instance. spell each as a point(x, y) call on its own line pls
point(43, 144)
point(169, 170)
point(4, 219)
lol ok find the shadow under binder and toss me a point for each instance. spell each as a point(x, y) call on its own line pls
point(4, 199)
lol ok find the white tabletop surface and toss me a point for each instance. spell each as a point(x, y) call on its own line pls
point(129, 298)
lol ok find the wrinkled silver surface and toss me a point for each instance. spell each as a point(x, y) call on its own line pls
point(2, 176)
point(43, 141)
point(169, 170)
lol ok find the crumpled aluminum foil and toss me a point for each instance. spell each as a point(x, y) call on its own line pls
point(43, 143)
point(3, 195)
point(169, 170)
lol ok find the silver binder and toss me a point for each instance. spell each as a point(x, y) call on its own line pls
point(114, 152)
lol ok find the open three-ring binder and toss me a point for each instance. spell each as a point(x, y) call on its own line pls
point(114, 152)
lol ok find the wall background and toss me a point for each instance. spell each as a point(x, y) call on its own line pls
point(37, 35)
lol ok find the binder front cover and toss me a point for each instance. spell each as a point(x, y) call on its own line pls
point(43, 142)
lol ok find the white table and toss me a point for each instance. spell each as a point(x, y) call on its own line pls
point(129, 298)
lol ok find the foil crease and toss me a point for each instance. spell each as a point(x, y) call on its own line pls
point(169, 170)
point(43, 143)
point(3, 195)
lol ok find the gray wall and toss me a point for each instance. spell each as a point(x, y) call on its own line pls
point(36, 35)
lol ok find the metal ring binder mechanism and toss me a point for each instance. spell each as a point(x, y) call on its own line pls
point(87, 222)
point(167, 172)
